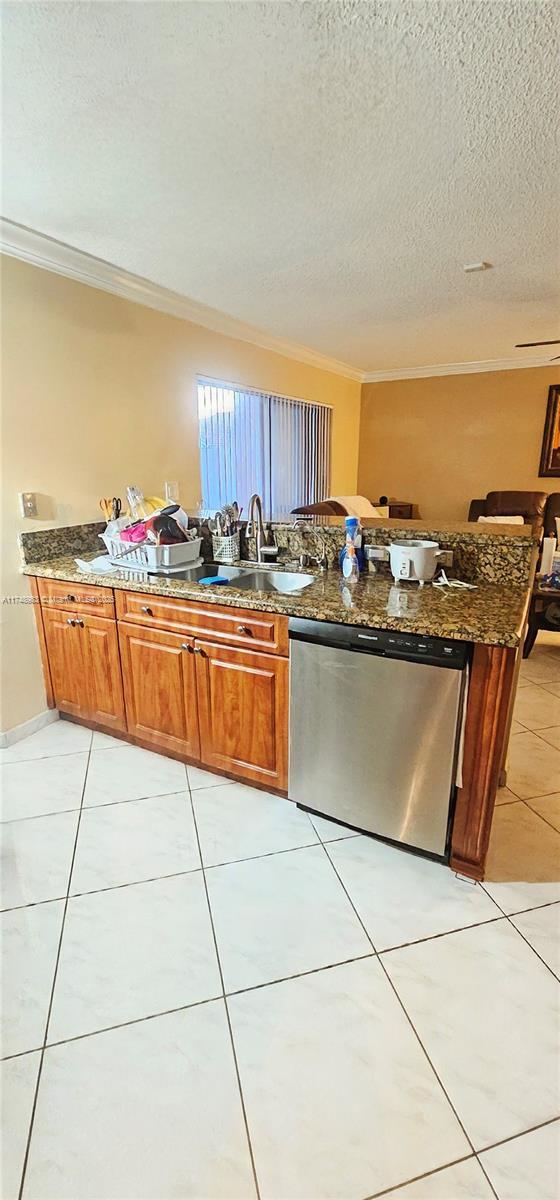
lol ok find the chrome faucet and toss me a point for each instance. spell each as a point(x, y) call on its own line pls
point(256, 503)
point(321, 559)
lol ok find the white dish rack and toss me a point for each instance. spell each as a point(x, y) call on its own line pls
point(150, 557)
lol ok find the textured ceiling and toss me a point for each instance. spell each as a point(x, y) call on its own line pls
point(320, 170)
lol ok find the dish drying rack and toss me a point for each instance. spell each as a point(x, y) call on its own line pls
point(149, 557)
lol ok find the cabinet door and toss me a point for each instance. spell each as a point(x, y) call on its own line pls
point(65, 649)
point(160, 688)
point(103, 671)
point(243, 712)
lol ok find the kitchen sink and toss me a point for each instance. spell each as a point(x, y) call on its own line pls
point(250, 579)
point(274, 581)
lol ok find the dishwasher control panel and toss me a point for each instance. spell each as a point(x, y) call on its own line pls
point(441, 652)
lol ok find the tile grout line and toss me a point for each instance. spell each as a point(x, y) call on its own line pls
point(167, 1012)
point(55, 812)
point(514, 1136)
point(182, 1007)
point(259, 986)
point(112, 887)
point(432, 937)
point(92, 807)
point(5, 762)
point(538, 814)
point(527, 799)
point(508, 917)
point(154, 878)
point(465, 1158)
point(425, 1175)
point(228, 1018)
point(408, 1018)
point(501, 915)
point(49, 1010)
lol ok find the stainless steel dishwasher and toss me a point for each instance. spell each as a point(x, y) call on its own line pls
point(375, 719)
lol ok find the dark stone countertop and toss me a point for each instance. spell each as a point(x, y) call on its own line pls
point(493, 614)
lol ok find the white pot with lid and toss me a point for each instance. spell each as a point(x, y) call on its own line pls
point(414, 560)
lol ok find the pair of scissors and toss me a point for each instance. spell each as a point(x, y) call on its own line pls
point(111, 509)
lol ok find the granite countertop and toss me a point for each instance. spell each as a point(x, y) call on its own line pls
point(493, 614)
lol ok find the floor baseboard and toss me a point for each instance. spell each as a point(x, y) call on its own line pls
point(18, 732)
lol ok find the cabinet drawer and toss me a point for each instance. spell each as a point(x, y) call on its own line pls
point(81, 597)
point(242, 627)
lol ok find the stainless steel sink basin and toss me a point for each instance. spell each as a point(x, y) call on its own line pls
point(274, 581)
point(251, 579)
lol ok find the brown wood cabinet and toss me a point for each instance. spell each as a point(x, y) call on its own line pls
point(83, 659)
point(166, 664)
point(159, 676)
point(243, 712)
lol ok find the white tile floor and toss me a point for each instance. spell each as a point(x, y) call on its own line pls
point(210, 995)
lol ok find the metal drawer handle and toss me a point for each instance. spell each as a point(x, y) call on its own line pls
point(70, 621)
point(199, 650)
point(146, 608)
point(71, 599)
point(188, 647)
point(245, 629)
point(80, 622)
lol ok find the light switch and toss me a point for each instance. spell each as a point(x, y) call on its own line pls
point(28, 504)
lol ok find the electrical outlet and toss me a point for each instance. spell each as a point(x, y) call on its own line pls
point(446, 558)
point(28, 504)
point(381, 553)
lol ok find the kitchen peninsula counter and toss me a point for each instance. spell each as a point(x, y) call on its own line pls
point(155, 654)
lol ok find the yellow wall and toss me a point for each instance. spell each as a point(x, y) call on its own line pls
point(98, 392)
point(443, 441)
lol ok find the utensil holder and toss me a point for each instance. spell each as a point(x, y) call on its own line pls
point(225, 549)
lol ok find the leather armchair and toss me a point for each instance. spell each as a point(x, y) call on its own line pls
point(532, 506)
point(552, 511)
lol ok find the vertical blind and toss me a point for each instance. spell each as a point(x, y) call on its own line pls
point(256, 442)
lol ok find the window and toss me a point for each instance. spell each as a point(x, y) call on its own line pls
point(255, 442)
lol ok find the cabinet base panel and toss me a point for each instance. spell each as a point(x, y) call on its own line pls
point(462, 867)
point(145, 744)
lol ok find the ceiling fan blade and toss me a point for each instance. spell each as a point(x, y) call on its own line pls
point(556, 358)
point(522, 345)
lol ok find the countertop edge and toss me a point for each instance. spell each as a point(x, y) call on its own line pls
point(281, 605)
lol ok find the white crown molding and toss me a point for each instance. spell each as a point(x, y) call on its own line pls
point(466, 368)
point(41, 251)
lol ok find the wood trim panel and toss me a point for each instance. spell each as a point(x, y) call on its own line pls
point(491, 679)
point(42, 642)
point(80, 597)
point(238, 627)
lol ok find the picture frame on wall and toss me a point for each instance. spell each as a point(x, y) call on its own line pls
point(550, 453)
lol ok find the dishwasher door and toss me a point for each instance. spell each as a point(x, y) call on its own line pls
point(373, 742)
